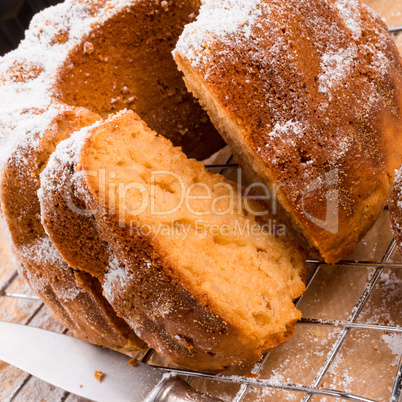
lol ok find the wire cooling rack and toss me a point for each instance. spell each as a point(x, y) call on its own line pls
point(252, 380)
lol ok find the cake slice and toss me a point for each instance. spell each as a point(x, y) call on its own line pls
point(65, 218)
point(191, 267)
point(308, 95)
point(74, 297)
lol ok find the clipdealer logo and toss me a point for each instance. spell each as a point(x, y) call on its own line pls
point(196, 200)
point(227, 202)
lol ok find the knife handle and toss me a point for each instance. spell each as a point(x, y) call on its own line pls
point(177, 390)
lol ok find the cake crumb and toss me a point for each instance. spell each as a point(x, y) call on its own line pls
point(251, 375)
point(315, 332)
point(88, 48)
point(81, 385)
point(133, 363)
point(99, 375)
point(165, 5)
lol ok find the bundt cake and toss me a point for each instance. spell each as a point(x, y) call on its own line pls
point(128, 240)
point(308, 96)
point(191, 266)
point(74, 297)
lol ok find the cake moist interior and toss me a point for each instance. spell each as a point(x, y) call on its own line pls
point(248, 279)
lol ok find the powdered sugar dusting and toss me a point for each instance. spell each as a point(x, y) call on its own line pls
point(394, 342)
point(41, 251)
point(67, 153)
point(397, 198)
point(342, 149)
point(397, 190)
point(350, 12)
point(27, 74)
point(398, 176)
point(116, 277)
point(294, 99)
point(70, 293)
point(217, 19)
point(336, 67)
point(290, 128)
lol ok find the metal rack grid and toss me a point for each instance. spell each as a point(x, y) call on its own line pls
point(309, 390)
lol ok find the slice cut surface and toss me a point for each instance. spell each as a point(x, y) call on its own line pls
point(195, 272)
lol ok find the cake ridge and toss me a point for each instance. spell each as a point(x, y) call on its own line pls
point(28, 73)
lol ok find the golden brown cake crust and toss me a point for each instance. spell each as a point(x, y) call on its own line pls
point(75, 298)
point(300, 90)
point(81, 53)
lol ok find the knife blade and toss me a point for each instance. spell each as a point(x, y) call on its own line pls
point(70, 364)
